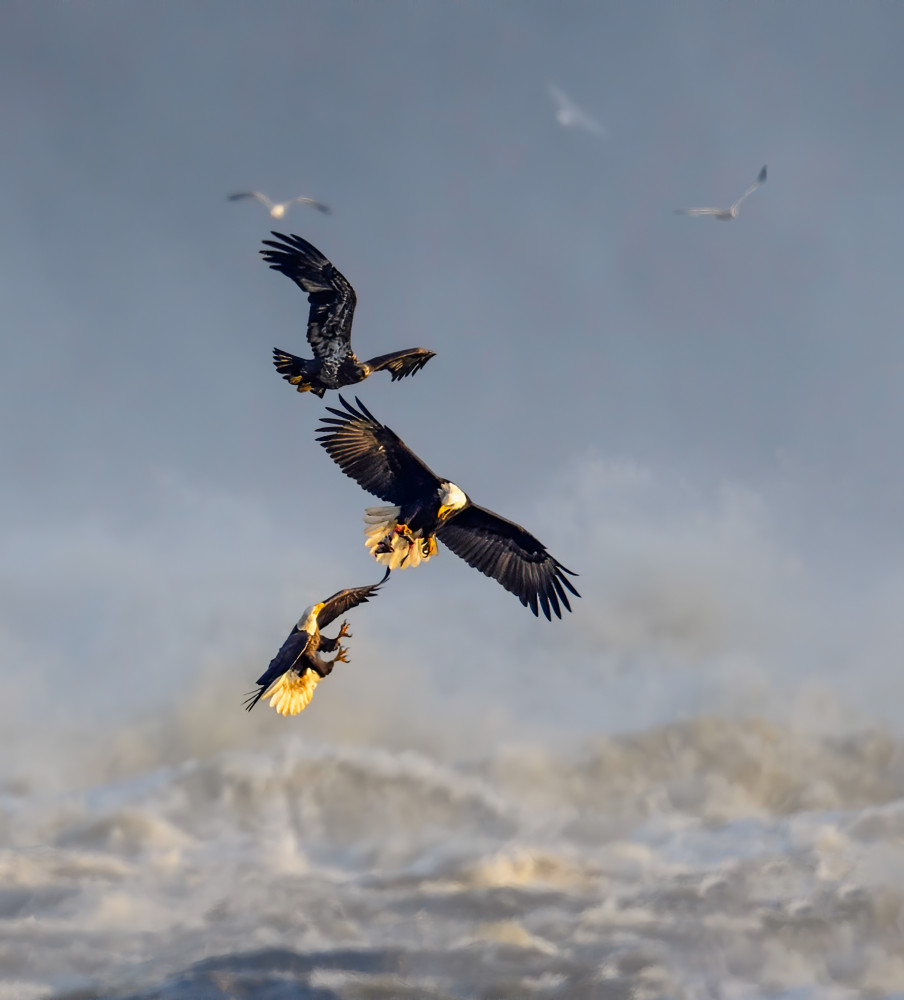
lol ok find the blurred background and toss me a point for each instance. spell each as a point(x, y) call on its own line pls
point(701, 418)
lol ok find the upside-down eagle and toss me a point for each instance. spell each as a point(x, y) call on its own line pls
point(427, 507)
point(297, 668)
point(332, 301)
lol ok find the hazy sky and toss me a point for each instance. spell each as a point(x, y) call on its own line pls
point(701, 418)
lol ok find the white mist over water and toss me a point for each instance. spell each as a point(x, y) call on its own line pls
point(684, 789)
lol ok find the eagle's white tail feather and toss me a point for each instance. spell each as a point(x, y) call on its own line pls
point(291, 694)
point(382, 515)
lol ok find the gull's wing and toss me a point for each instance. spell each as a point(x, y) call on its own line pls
point(699, 211)
point(760, 179)
point(312, 202)
point(374, 456)
point(344, 600)
point(510, 554)
point(332, 298)
point(262, 198)
point(569, 114)
point(562, 101)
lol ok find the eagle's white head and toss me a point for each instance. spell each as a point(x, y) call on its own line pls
point(451, 500)
point(308, 621)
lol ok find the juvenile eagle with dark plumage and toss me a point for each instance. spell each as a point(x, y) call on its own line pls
point(427, 507)
point(333, 300)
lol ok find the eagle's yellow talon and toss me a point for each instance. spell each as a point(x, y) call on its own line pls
point(341, 656)
point(344, 632)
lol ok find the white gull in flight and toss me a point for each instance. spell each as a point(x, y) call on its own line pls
point(726, 213)
point(569, 115)
point(278, 209)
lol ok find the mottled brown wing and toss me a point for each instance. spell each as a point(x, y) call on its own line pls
point(332, 298)
point(374, 456)
point(510, 554)
point(402, 363)
point(345, 600)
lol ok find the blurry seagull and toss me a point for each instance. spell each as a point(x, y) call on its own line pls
point(569, 115)
point(726, 213)
point(278, 209)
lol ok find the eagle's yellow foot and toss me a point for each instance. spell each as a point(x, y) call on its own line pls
point(299, 383)
point(344, 632)
point(341, 655)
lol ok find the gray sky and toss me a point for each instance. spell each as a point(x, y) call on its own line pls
point(701, 418)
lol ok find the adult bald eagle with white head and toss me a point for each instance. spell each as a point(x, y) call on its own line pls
point(297, 668)
point(426, 507)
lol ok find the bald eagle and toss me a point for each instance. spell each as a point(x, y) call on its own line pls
point(297, 668)
point(427, 507)
point(332, 301)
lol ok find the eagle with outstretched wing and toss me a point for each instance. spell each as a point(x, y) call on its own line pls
point(332, 301)
point(426, 507)
point(297, 668)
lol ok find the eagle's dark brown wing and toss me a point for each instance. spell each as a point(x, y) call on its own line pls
point(344, 600)
point(289, 656)
point(401, 363)
point(374, 456)
point(510, 554)
point(332, 298)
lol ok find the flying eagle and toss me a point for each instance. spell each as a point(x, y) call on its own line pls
point(427, 507)
point(726, 213)
point(278, 209)
point(332, 301)
point(297, 668)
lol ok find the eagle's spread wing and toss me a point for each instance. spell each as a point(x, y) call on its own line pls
point(332, 298)
point(505, 551)
point(401, 363)
point(289, 656)
point(374, 456)
point(344, 600)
